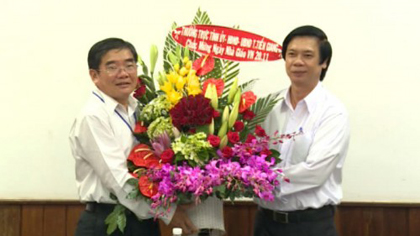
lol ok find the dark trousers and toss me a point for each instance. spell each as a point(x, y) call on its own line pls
point(320, 225)
point(92, 223)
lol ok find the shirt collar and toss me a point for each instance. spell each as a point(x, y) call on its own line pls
point(111, 104)
point(310, 100)
point(313, 97)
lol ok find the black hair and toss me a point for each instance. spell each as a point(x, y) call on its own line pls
point(325, 49)
point(99, 49)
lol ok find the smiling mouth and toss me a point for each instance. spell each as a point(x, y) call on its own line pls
point(298, 72)
point(123, 84)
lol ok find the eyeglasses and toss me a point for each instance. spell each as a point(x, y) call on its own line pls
point(114, 70)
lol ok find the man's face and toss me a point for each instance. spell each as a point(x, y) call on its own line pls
point(302, 61)
point(117, 75)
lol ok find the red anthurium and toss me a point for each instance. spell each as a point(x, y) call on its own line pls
point(219, 83)
point(247, 99)
point(135, 175)
point(203, 65)
point(147, 187)
point(143, 156)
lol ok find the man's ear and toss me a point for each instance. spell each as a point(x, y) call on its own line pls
point(94, 76)
point(324, 64)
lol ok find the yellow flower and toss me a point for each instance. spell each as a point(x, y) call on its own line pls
point(176, 67)
point(193, 86)
point(180, 83)
point(183, 71)
point(166, 87)
point(188, 65)
point(174, 96)
point(193, 90)
point(172, 77)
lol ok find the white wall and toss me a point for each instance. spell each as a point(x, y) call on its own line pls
point(44, 80)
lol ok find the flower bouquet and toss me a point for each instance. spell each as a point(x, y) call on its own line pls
point(199, 137)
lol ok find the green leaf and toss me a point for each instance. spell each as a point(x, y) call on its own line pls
point(230, 72)
point(202, 128)
point(145, 70)
point(122, 221)
point(221, 190)
point(179, 157)
point(201, 18)
point(275, 153)
point(133, 182)
point(134, 193)
point(261, 108)
point(248, 85)
point(203, 155)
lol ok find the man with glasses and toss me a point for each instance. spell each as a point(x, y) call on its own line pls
point(101, 139)
point(314, 159)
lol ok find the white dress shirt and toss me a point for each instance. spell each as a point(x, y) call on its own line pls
point(101, 139)
point(313, 161)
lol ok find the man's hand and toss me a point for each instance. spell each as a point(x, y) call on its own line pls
point(181, 219)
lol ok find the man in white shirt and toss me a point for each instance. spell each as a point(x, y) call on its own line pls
point(313, 159)
point(101, 139)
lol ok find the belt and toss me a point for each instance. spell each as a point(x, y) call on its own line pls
point(99, 207)
point(306, 215)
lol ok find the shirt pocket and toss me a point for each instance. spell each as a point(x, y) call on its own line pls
point(300, 149)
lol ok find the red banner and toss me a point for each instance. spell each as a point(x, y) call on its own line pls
point(227, 43)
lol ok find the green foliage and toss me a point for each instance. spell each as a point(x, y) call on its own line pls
point(201, 18)
point(116, 219)
point(261, 108)
point(247, 86)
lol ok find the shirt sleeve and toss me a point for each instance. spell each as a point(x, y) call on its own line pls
point(101, 149)
point(326, 153)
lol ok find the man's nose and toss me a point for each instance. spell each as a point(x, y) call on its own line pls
point(298, 61)
point(122, 71)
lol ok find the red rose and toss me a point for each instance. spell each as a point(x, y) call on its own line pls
point(233, 137)
point(259, 131)
point(266, 152)
point(249, 138)
point(248, 115)
point(247, 99)
point(216, 113)
point(192, 111)
point(214, 140)
point(239, 126)
point(140, 128)
point(227, 152)
point(140, 90)
point(167, 156)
